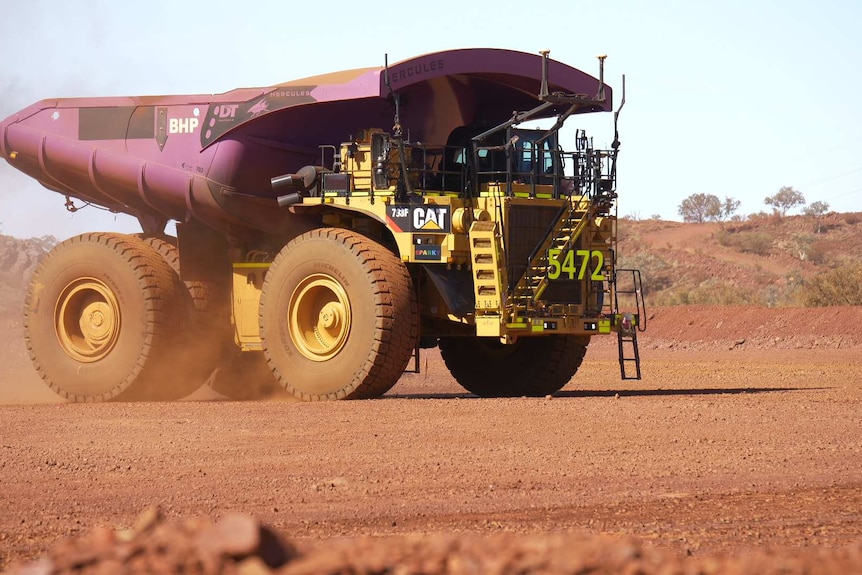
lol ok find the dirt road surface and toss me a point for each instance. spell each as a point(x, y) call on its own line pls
point(745, 433)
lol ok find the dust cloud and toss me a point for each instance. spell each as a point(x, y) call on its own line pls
point(19, 382)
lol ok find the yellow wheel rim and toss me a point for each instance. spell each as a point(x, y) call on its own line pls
point(319, 317)
point(87, 320)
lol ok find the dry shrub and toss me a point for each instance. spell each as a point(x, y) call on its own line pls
point(758, 243)
point(657, 273)
point(818, 255)
point(713, 292)
point(840, 286)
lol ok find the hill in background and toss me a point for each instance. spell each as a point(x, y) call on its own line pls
point(764, 261)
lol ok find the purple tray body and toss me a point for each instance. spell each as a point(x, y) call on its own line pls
point(201, 157)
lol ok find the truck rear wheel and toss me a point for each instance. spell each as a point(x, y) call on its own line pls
point(532, 366)
point(100, 317)
point(338, 316)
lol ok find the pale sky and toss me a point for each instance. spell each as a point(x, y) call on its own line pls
point(733, 98)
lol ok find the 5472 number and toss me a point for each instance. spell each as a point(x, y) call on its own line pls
point(567, 268)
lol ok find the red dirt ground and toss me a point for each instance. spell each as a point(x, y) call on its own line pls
point(740, 450)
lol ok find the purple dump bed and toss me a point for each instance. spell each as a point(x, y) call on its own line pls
point(204, 157)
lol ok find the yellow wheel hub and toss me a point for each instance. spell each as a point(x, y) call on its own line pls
point(87, 320)
point(319, 317)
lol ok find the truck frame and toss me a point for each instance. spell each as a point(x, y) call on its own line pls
point(319, 251)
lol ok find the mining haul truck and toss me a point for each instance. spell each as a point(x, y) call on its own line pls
point(330, 228)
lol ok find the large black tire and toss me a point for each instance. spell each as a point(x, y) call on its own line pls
point(532, 366)
point(100, 320)
point(338, 316)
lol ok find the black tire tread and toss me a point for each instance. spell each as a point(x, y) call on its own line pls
point(540, 366)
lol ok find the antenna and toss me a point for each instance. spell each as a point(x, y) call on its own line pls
point(601, 95)
point(616, 143)
point(543, 90)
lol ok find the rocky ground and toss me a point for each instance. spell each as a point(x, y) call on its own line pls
point(739, 451)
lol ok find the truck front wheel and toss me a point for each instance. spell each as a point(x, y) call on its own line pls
point(338, 316)
point(532, 366)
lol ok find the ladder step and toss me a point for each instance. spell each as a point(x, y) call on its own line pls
point(629, 355)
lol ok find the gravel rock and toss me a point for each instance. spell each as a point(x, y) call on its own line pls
point(238, 544)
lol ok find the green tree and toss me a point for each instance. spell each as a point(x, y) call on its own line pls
point(816, 210)
point(728, 208)
point(786, 199)
point(700, 208)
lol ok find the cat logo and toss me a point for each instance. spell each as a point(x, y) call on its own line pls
point(421, 218)
point(431, 218)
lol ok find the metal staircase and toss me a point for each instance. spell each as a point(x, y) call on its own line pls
point(563, 235)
